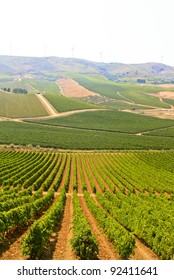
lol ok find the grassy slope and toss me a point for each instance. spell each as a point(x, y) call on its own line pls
point(5, 78)
point(17, 84)
point(20, 105)
point(110, 121)
point(45, 86)
point(122, 105)
point(145, 99)
point(169, 132)
point(169, 101)
point(62, 104)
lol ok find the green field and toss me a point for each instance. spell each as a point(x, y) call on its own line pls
point(109, 121)
point(131, 93)
point(68, 138)
point(167, 132)
point(17, 84)
point(123, 105)
point(5, 78)
point(169, 101)
point(137, 94)
point(107, 129)
point(45, 86)
point(99, 85)
point(29, 106)
point(63, 104)
point(20, 105)
point(144, 99)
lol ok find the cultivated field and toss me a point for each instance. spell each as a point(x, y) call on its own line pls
point(20, 105)
point(88, 173)
point(71, 88)
point(155, 101)
point(123, 212)
point(94, 90)
point(20, 133)
point(44, 87)
point(64, 122)
point(109, 120)
point(64, 104)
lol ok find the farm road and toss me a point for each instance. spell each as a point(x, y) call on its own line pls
point(49, 108)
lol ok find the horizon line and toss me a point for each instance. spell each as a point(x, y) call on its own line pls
point(76, 58)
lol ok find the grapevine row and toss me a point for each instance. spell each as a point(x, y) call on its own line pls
point(123, 241)
point(83, 242)
point(21, 215)
point(35, 241)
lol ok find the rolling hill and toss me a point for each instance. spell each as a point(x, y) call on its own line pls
point(96, 105)
point(53, 66)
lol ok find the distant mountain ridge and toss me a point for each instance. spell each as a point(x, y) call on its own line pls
point(17, 65)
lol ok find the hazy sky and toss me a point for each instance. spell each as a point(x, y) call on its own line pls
point(127, 31)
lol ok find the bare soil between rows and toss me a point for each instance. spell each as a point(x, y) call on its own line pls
point(59, 247)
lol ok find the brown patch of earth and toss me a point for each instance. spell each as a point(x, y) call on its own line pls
point(11, 248)
point(161, 113)
point(157, 113)
point(71, 88)
point(165, 94)
point(142, 252)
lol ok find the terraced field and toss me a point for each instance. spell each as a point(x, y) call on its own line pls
point(124, 212)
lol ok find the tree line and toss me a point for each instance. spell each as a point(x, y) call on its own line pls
point(16, 90)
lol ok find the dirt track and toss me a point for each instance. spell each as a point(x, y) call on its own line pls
point(49, 108)
point(51, 115)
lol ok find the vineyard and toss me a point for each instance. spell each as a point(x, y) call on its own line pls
point(20, 105)
point(56, 204)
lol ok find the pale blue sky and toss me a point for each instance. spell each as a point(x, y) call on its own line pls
point(127, 31)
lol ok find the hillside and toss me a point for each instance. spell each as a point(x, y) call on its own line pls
point(78, 104)
point(85, 143)
point(53, 67)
